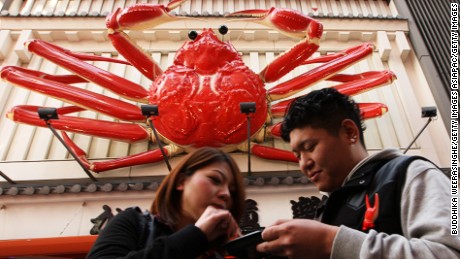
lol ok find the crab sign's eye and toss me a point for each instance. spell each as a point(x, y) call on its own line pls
point(223, 29)
point(192, 35)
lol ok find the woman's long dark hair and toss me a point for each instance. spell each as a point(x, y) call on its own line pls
point(167, 203)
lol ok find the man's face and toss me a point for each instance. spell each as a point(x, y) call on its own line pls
point(324, 158)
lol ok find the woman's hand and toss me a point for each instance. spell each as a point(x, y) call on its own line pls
point(218, 223)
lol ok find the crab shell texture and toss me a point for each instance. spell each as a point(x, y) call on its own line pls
point(199, 96)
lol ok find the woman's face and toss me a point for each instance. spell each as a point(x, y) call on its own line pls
point(209, 186)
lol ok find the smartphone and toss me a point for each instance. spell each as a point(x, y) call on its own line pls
point(245, 246)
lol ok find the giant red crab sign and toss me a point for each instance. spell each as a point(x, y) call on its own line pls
point(198, 95)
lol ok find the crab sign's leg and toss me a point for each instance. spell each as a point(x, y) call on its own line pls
point(126, 132)
point(83, 56)
point(372, 110)
point(352, 85)
point(70, 94)
point(146, 157)
point(66, 59)
point(368, 110)
point(356, 84)
point(67, 79)
point(270, 153)
point(138, 17)
point(293, 24)
point(323, 72)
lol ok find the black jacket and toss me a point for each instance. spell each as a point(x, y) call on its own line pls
point(126, 236)
point(346, 206)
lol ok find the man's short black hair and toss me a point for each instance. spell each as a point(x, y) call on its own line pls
point(325, 108)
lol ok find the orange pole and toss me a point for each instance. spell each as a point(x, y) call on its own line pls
point(47, 246)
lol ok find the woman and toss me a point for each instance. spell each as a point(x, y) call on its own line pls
point(195, 212)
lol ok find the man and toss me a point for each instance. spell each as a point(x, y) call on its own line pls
point(382, 206)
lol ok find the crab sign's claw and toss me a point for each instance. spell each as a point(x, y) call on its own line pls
point(142, 16)
point(293, 24)
point(138, 17)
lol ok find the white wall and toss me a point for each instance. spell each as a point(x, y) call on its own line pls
point(55, 215)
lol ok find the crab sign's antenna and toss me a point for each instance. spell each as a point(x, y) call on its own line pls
point(151, 111)
point(248, 108)
point(48, 114)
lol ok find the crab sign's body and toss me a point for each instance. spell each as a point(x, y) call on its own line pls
point(198, 96)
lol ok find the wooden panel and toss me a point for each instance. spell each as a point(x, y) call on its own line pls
point(305, 7)
point(7, 100)
point(61, 7)
point(269, 57)
point(96, 7)
point(206, 7)
point(43, 136)
point(383, 45)
point(107, 8)
point(254, 63)
point(384, 9)
point(335, 8)
point(120, 149)
point(57, 150)
point(355, 8)
point(72, 10)
point(196, 7)
point(99, 146)
point(6, 43)
point(409, 106)
point(323, 10)
point(364, 8)
point(83, 9)
point(374, 8)
point(27, 8)
point(184, 8)
point(38, 8)
point(372, 134)
point(23, 134)
point(403, 45)
point(345, 8)
point(49, 7)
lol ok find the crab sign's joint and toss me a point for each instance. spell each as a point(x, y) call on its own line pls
point(371, 214)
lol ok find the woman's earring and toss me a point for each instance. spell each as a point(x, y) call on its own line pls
point(353, 139)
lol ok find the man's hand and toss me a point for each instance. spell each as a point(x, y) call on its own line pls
point(298, 238)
